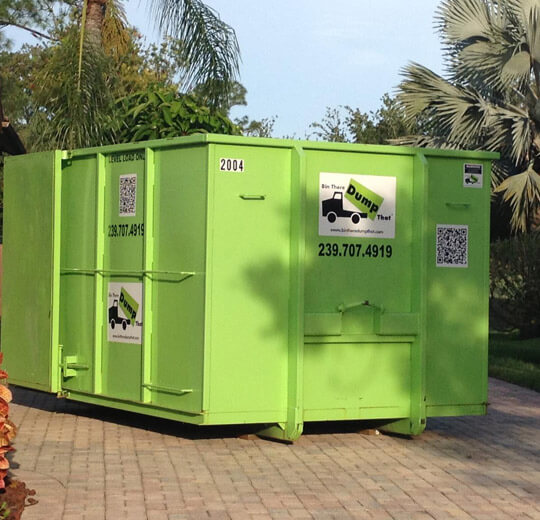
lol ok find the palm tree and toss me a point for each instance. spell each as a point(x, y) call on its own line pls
point(490, 96)
point(209, 45)
point(78, 86)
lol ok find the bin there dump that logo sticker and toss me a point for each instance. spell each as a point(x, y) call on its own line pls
point(124, 313)
point(357, 205)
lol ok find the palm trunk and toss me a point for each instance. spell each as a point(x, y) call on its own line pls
point(92, 23)
point(95, 14)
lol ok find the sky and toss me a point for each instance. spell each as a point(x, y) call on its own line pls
point(300, 56)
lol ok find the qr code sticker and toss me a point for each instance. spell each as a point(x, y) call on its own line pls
point(452, 246)
point(128, 195)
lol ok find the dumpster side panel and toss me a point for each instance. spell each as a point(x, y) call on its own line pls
point(248, 284)
point(178, 298)
point(458, 288)
point(360, 322)
point(27, 330)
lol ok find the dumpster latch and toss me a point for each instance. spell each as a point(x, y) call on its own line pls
point(70, 365)
point(346, 306)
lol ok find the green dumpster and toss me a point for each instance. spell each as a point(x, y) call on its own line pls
point(226, 280)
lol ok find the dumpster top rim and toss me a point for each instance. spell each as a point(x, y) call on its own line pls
point(278, 143)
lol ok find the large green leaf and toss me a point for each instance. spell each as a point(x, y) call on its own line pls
point(167, 115)
point(164, 113)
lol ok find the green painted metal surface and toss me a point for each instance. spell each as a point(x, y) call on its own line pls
point(30, 287)
point(226, 280)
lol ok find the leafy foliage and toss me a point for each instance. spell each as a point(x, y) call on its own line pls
point(160, 114)
point(17, 81)
point(345, 124)
point(8, 430)
point(256, 128)
point(72, 112)
point(515, 284)
point(490, 98)
point(115, 31)
point(233, 95)
point(51, 109)
point(142, 67)
point(381, 126)
point(333, 126)
point(66, 94)
point(40, 18)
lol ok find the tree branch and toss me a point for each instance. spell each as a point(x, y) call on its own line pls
point(29, 29)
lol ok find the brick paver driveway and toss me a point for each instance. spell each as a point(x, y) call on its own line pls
point(93, 463)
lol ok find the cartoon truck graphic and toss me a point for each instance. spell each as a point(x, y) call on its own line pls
point(114, 319)
point(473, 179)
point(333, 208)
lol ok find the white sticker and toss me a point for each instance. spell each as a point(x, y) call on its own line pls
point(125, 313)
point(357, 205)
point(473, 175)
point(231, 165)
point(452, 245)
point(127, 196)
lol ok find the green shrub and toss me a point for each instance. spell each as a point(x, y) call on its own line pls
point(516, 372)
point(515, 360)
point(515, 285)
point(157, 114)
point(506, 345)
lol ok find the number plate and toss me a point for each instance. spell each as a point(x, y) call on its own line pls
point(231, 165)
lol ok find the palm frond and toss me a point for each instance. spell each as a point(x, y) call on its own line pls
point(421, 88)
point(490, 96)
point(517, 68)
point(423, 141)
point(463, 116)
point(509, 131)
point(522, 192)
point(71, 115)
point(485, 43)
point(500, 170)
point(462, 20)
point(528, 14)
point(115, 33)
point(458, 113)
point(210, 48)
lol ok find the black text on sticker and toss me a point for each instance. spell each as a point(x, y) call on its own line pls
point(231, 165)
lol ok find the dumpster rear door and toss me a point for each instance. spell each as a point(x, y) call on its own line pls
point(360, 321)
point(29, 335)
